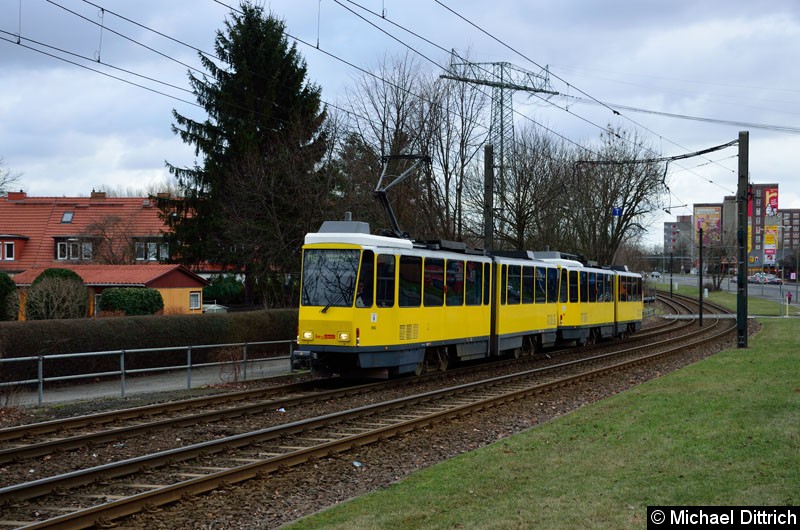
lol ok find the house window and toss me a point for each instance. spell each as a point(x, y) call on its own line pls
point(66, 217)
point(151, 251)
point(74, 250)
point(8, 251)
point(194, 300)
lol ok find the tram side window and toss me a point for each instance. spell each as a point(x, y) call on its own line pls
point(602, 287)
point(573, 286)
point(474, 280)
point(584, 279)
point(434, 282)
point(487, 279)
point(623, 289)
point(514, 284)
point(385, 285)
point(593, 287)
point(552, 285)
point(527, 285)
point(563, 289)
point(638, 282)
point(454, 295)
point(610, 287)
point(541, 285)
point(410, 294)
point(366, 280)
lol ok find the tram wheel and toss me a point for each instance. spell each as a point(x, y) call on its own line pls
point(420, 369)
point(444, 359)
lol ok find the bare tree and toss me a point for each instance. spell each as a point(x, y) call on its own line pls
point(168, 185)
point(612, 194)
point(8, 178)
point(385, 114)
point(536, 196)
point(112, 238)
point(56, 298)
point(719, 255)
point(454, 133)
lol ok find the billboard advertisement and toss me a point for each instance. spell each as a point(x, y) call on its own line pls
point(709, 219)
point(771, 202)
point(770, 244)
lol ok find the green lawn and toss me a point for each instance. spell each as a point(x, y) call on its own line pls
point(756, 306)
point(722, 431)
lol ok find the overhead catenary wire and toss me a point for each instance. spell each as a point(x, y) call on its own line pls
point(517, 52)
point(348, 111)
point(535, 95)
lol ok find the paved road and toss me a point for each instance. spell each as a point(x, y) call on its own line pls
point(774, 293)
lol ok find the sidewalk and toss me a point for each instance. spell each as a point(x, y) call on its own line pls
point(159, 382)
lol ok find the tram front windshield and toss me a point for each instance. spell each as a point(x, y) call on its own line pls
point(329, 277)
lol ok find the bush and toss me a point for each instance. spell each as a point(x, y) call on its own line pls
point(61, 274)
point(132, 301)
point(7, 297)
point(57, 294)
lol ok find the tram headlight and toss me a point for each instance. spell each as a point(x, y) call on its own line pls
point(344, 336)
point(308, 335)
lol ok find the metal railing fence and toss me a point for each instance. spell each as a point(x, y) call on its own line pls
point(41, 361)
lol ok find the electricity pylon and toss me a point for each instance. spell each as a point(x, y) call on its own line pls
point(505, 79)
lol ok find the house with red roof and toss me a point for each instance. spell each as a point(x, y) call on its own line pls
point(181, 289)
point(55, 231)
point(108, 241)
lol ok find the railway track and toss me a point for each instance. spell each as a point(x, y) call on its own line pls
point(106, 492)
point(57, 436)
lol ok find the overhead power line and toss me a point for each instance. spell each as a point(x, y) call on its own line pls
point(750, 125)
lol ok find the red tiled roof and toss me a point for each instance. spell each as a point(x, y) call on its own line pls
point(37, 221)
point(121, 275)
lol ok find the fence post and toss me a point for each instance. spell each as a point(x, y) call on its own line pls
point(122, 373)
point(291, 355)
point(244, 360)
point(189, 368)
point(41, 379)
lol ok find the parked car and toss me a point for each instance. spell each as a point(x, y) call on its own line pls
point(774, 280)
point(655, 275)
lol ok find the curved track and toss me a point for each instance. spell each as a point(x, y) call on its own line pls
point(113, 490)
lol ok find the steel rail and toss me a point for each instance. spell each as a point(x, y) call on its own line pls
point(167, 494)
point(92, 421)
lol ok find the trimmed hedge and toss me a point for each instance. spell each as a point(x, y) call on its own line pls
point(132, 300)
point(50, 337)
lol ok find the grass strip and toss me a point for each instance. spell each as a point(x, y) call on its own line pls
point(723, 431)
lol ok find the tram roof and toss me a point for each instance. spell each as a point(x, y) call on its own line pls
point(357, 239)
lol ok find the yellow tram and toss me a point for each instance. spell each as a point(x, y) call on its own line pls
point(381, 306)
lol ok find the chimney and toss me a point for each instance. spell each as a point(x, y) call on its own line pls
point(99, 195)
point(17, 195)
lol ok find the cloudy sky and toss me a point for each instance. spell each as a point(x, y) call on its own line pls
point(87, 88)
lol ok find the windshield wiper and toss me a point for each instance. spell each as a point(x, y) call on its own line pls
point(339, 298)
